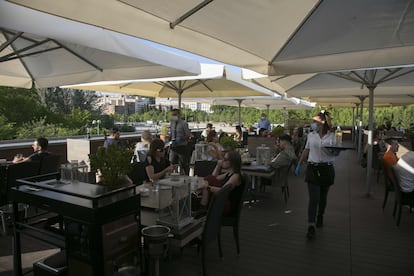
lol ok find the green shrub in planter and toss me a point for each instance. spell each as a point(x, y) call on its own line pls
point(113, 162)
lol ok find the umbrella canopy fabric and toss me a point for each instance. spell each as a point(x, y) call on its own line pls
point(278, 37)
point(50, 51)
point(379, 101)
point(394, 86)
point(213, 82)
point(266, 103)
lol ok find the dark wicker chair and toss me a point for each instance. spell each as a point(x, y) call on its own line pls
point(401, 198)
point(213, 222)
point(233, 219)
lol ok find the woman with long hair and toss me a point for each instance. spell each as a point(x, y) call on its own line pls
point(320, 172)
point(226, 172)
point(156, 163)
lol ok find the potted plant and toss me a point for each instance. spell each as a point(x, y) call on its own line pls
point(228, 143)
point(112, 164)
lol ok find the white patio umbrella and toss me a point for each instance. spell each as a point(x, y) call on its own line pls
point(46, 50)
point(278, 37)
point(213, 82)
point(260, 102)
point(379, 101)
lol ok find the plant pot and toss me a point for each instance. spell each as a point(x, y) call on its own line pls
point(121, 181)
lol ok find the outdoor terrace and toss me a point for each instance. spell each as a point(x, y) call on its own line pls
point(358, 238)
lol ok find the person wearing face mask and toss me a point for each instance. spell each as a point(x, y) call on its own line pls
point(320, 172)
point(179, 148)
point(264, 123)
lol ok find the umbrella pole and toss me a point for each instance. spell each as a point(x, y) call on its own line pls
point(370, 130)
point(239, 101)
point(353, 123)
point(362, 98)
point(179, 93)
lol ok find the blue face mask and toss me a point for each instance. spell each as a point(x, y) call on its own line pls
point(314, 127)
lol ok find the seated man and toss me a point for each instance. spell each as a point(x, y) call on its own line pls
point(206, 131)
point(263, 132)
point(40, 150)
point(405, 170)
point(287, 153)
point(390, 156)
point(113, 138)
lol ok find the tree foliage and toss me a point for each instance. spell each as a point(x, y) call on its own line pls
point(28, 113)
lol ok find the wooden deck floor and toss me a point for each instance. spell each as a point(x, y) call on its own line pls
point(358, 237)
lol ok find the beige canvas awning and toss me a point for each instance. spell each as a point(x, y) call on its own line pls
point(279, 37)
point(213, 82)
point(46, 50)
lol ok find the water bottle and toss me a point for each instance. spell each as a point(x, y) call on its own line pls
point(338, 135)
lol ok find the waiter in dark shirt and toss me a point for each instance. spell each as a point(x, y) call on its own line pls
point(179, 149)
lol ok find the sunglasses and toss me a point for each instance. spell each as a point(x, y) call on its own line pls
point(160, 150)
point(226, 159)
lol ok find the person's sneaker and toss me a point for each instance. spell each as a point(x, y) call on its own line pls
point(311, 232)
point(319, 221)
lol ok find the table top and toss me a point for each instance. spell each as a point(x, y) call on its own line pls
point(254, 167)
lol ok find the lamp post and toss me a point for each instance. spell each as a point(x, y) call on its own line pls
point(88, 131)
point(97, 122)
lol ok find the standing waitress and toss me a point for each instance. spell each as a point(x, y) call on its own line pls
point(320, 172)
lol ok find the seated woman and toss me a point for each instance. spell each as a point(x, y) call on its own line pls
point(156, 165)
point(141, 148)
point(238, 135)
point(226, 172)
point(214, 149)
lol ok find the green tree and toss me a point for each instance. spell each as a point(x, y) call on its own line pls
point(6, 129)
point(40, 128)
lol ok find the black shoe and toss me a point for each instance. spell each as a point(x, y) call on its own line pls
point(311, 232)
point(319, 221)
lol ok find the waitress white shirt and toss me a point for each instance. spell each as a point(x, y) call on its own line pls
point(317, 152)
point(405, 169)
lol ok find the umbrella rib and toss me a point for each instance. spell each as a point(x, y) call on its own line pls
point(169, 84)
point(350, 78)
point(10, 40)
point(309, 15)
point(298, 84)
point(189, 13)
point(30, 54)
point(78, 56)
point(17, 52)
point(279, 78)
point(391, 77)
point(197, 83)
point(25, 67)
